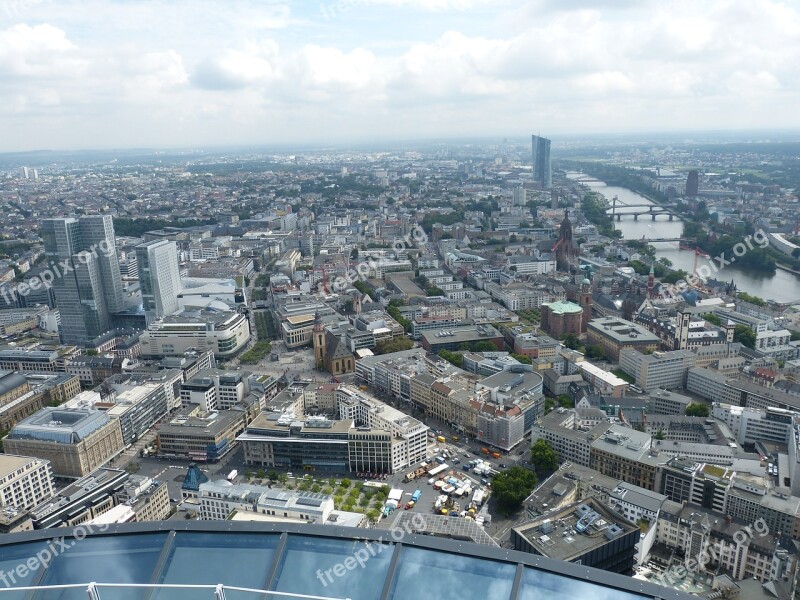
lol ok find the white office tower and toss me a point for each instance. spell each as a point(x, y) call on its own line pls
point(159, 278)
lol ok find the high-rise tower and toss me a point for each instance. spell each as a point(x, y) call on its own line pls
point(159, 277)
point(540, 149)
point(692, 184)
point(87, 284)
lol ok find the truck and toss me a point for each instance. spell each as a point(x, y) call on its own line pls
point(440, 439)
point(485, 450)
point(396, 494)
point(232, 475)
point(415, 496)
point(495, 454)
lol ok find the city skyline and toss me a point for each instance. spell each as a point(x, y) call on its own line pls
point(112, 75)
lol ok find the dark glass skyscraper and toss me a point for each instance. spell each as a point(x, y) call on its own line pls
point(692, 184)
point(540, 148)
point(87, 284)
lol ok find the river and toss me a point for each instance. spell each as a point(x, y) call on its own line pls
point(780, 287)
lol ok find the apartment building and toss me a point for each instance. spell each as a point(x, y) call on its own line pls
point(716, 542)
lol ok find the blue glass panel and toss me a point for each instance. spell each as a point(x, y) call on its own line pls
point(539, 585)
point(19, 565)
point(104, 559)
point(430, 574)
point(334, 568)
point(238, 559)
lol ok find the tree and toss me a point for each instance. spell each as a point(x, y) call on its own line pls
point(525, 360)
point(395, 345)
point(713, 319)
point(273, 475)
point(659, 435)
point(745, 336)
point(571, 341)
point(565, 401)
point(543, 458)
point(454, 358)
point(511, 487)
point(595, 351)
point(696, 409)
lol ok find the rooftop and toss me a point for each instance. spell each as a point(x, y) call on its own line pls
point(554, 534)
point(60, 425)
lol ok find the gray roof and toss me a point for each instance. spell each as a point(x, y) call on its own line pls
point(60, 425)
point(11, 380)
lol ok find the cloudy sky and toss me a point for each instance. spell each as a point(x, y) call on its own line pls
point(176, 73)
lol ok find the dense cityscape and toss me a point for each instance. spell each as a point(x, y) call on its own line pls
point(400, 299)
point(478, 342)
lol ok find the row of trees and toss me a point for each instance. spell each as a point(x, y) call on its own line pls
point(594, 209)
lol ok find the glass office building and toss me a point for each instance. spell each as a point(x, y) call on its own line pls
point(233, 560)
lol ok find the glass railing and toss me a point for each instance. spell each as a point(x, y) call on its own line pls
point(135, 591)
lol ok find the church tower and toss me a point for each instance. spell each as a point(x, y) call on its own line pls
point(585, 301)
point(651, 282)
point(318, 339)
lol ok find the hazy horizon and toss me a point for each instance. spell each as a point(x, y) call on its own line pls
point(105, 74)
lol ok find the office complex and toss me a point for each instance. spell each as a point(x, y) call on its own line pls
point(692, 183)
point(88, 287)
point(159, 277)
point(200, 437)
point(542, 171)
point(659, 370)
point(317, 444)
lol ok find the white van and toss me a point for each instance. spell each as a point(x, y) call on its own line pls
point(431, 480)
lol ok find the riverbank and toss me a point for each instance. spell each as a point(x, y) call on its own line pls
point(787, 269)
point(781, 286)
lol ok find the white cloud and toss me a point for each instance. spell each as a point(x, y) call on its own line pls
point(280, 70)
point(39, 51)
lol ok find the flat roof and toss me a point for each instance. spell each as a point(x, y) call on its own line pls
point(563, 542)
point(461, 334)
point(11, 462)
